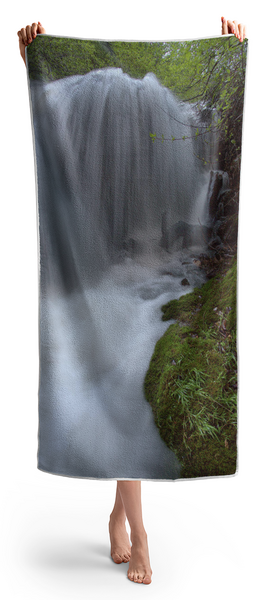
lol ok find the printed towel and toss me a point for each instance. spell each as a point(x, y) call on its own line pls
point(138, 152)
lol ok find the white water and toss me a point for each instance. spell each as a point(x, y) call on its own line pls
point(113, 208)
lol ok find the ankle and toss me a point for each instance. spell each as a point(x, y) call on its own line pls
point(138, 536)
point(117, 517)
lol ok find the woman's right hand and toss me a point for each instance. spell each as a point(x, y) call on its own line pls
point(27, 35)
point(233, 27)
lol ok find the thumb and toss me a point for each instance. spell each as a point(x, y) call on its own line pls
point(40, 28)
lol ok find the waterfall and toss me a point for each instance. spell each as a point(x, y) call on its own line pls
point(119, 216)
point(114, 192)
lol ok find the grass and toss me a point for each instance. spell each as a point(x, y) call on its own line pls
point(191, 383)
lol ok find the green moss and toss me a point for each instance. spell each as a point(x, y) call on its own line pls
point(191, 383)
point(51, 58)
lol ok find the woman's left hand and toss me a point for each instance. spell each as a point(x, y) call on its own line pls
point(27, 34)
point(233, 27)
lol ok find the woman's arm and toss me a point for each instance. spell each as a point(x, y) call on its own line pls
point(27, 35)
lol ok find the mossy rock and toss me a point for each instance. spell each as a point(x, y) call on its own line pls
point(191, 383)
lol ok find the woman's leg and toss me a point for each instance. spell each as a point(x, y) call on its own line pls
point(139, 566)
point(120, 543)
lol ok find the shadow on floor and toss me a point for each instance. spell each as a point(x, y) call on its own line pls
point(77, 555)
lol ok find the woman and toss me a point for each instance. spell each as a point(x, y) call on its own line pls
point(128, 493)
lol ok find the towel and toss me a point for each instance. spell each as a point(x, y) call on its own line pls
point(137, 150)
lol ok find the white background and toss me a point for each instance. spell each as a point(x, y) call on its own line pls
point(208, 539)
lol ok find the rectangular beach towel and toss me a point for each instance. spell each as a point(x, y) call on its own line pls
point(138, 153)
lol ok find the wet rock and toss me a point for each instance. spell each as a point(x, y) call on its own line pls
point(217, 225)
point(216, 242)
point(219, 183)
point(181, 234)
point(220, 210)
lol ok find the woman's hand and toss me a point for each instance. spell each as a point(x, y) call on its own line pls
point(233, 27)
point(27, 35)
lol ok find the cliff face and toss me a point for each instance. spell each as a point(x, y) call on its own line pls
point(224, 208)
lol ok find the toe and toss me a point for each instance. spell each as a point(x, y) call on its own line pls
point(125, 559)
point(147, 579)
point(117, 558)
point(137, 578)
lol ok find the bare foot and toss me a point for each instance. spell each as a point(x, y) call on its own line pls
point(139, 566)
point(120, 543)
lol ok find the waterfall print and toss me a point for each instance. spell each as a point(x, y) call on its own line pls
point(137, 150)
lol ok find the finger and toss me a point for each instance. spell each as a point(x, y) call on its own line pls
point(28, 33)
point(224, 26)
point(230, 26)
point(34, 28)
point(22, 46)
point(241, 29)
point(236, 32)
point(23, 35)
point(41, 29)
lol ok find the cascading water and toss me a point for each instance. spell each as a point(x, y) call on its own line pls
point(119, 219)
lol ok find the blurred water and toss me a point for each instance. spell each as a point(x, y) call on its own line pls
point(118, 215)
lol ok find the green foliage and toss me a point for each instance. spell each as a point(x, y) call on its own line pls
point(191, 383)
point(194, 421)
point(208, 72)
point(51, 58)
